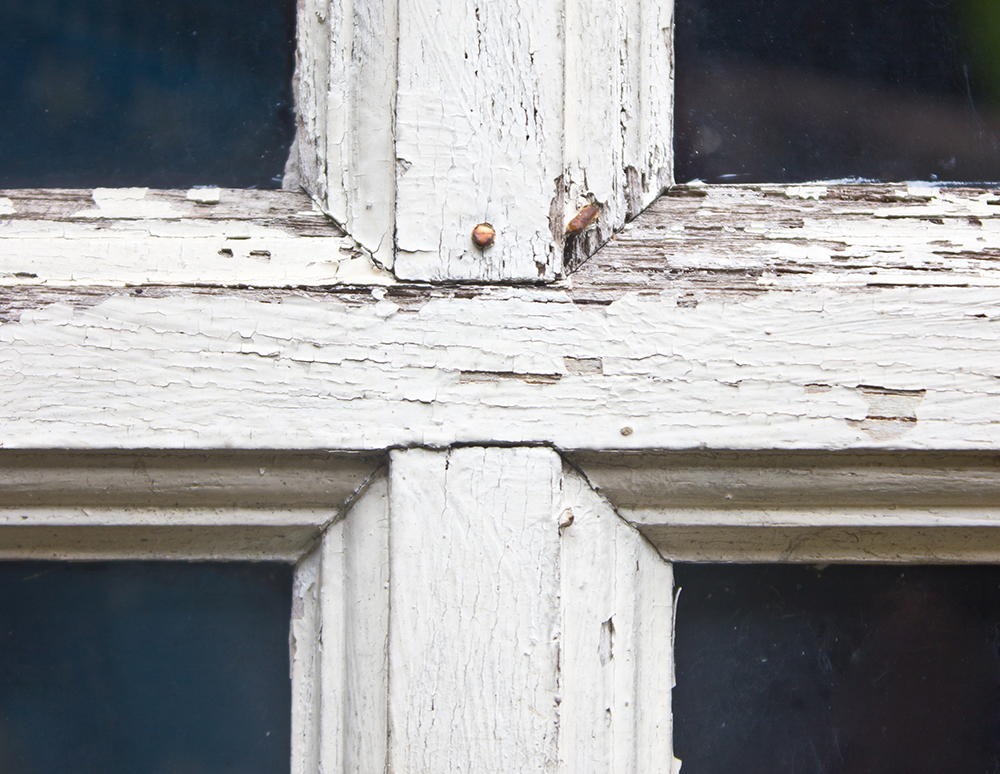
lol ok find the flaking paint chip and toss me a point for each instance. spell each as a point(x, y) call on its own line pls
point(204, 195)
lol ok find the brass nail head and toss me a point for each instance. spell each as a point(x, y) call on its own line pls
point(483, 235)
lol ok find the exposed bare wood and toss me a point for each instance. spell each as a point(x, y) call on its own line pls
point(291, 211)
point(136, 236)
point(748, 239)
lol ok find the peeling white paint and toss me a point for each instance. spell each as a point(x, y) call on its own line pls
point(204, 237)
point(164, 252)
point(126, 204)
point(616, 666)
point(205, 195)
point(722, 239)
point(806, 191)
point(212, 371)
point(420, 127)
point(345, 97)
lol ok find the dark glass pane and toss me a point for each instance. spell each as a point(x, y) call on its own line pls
point(842, 670)
point(158, 93)
point(795, 90)
point(144, 668)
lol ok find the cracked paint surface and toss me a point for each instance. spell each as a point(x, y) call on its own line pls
point(473, 638)
point(510, 366)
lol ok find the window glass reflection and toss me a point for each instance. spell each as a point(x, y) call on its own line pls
point(786, 90)
point(158, 93)
point(838, 669)
point(158, 668)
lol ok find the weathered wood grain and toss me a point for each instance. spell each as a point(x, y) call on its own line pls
point(618, 115)
point(345, 94)
point(819, 368)
point(678, 335)
point(715, 240)
point(138, 236)
point(419, 120)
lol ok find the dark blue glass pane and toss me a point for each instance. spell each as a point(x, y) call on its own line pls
point(839, 670)
point(158, 93)
point(144, 668)
point(795, 90)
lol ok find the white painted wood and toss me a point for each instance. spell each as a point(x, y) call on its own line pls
point(433, 117)
point(616, 660)
point(655, 598)
point(339, 636)
point(345, 97)
point(305, 658)
point(618, 113)
point(307, 162)
point(331, 640)
point(474, 595)
point(154, 505)
point(134, 236)
point(479, 136)
point(899, 368)
point(807, 506)
point(366, 618)
point(183, 253)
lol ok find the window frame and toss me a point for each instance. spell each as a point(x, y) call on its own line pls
point(404, 368)
point(788, 506)
point(287, 507)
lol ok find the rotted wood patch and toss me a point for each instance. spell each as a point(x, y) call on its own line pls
point(753, 238)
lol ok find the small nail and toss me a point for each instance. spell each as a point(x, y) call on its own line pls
point(583, 218)
point(483, 235)
point(626, 431)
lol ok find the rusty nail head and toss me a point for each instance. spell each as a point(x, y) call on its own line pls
point(583, 218)
point(483, 235)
